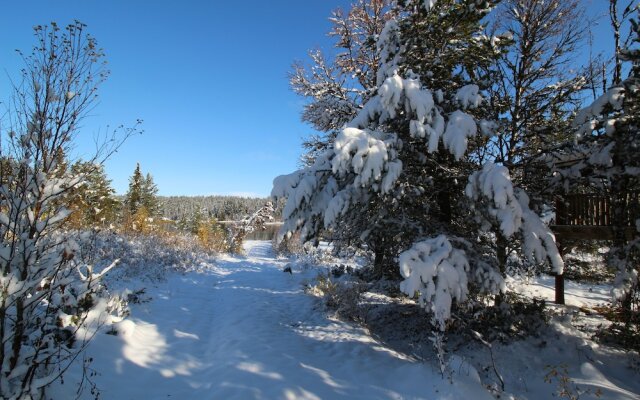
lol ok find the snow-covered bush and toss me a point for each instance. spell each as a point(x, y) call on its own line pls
point(339, 295)
point(146, 257)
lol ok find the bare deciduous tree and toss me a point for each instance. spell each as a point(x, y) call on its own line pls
point(46, 291)
point(539, 83)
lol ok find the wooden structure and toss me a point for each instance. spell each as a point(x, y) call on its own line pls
point(590, 217)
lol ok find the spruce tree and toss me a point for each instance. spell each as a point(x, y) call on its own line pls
point(94, 200)
point(406, 179)
point(432, 53)
point(150, 196)
point(133, 200)
point(141, 201)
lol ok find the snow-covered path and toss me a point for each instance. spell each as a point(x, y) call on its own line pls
point(244, 329)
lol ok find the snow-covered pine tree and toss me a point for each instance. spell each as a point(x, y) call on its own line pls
point(377, 225)
point(394, 177)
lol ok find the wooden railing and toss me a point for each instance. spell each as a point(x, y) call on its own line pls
point(590, 217)
point(594, 210)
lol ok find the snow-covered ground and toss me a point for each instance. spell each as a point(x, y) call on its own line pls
point(244, 329)
point(586, 369)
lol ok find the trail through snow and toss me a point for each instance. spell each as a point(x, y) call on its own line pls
point(244, 329)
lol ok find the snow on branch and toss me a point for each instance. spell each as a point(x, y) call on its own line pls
point(437, 272)
point(398, 94)
point(469, 96)
point(586, 119)
point(538, 242)
point(360, 152)
point(510, 208)
point(460, 127)
point(494, 183)
point(298, 188)
point(389, 48)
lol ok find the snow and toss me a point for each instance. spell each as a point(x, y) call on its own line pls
point(428, 4)
point(602, 156)
point(460, 127)
point(585, 118)
point(337, 206)
point(388, 47)
point(567, 343)
point(438, 273)
point(391, 93)
point(539, 243)
point(510, 208)
point(241, 328)
point(419, 100)
point(359, 151)
point(469, 96)
point(494, 183)
point(397, 93)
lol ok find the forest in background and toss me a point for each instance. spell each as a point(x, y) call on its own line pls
point(222, 208)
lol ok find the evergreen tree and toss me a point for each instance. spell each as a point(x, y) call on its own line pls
point(150, 196)
point(141, 202)
point(133, 200)
point(94, 200)
point(440, 49)
point(402, 180)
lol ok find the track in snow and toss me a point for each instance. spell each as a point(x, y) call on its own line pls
point(244, 329)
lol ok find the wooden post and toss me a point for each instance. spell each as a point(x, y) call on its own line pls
point(559, 288)
point(560, 279)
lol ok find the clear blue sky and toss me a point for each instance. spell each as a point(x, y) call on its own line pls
point(207, 77)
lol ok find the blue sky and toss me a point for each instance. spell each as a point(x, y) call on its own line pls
point(207, 77)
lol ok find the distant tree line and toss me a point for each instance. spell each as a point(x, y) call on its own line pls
point(94, 203)
point(222, 208)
